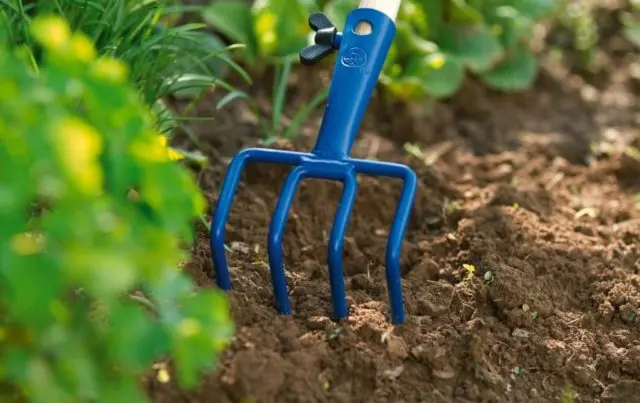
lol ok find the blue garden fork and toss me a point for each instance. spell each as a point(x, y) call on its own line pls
point(362, 49)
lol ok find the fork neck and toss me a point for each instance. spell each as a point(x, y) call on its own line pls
point(362, 53)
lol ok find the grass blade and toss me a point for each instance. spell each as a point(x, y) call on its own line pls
point(304, 112)
point(280, 94)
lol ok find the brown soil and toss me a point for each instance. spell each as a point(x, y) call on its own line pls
point(509, 184)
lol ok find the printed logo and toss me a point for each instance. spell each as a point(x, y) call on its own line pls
point(354, 58)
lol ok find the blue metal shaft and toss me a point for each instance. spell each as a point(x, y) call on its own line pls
point(357, 69)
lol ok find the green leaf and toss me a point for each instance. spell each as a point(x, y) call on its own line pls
point(196, 345)
point(196, 157)
point(474, 46)
point(631, 32)
point(461, 12)
point(534, 9)
point(516, 73)
point(135, 340)
point(80, 366)
point(512, 26)
point(234, 19)
point(79, 141)
point(42, 383)
point(282, 27)
point(441, 74)
point(337, 11)
point(127, 390)
point(408, 41)
point(230, 97)
point(213, 51)
point(190, 85)
point(32, 285)
point(166, 122)
point(425, 17)
point(304, 112)
point(408, 89)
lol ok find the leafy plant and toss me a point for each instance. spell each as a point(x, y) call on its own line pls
point(270, 29)
point(272, 129)
point(631, 22)
point(95, 220)
point(578, 17)
point(439, 42)
point(164, 60)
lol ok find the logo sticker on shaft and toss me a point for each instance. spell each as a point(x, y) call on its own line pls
point(354, 58)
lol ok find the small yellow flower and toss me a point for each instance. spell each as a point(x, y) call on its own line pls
point(26, 244)
point(52, 32)
point(266, 26)
point(82, 48)
point(174, 155)
point(268, 40)
point(163, 376)
point(79, 146)
point(110, 69)
point(471, 269)
point(266, 22)
point(436, 61)
point(155, 150)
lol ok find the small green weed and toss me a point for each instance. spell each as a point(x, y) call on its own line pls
point(578, 17)
point(471, 271)
point(271, 127)
point(631, 22)
point(568, 395)
point(280, 94)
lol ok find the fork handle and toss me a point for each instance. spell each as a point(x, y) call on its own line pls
point(365, 42)
point(389, 7)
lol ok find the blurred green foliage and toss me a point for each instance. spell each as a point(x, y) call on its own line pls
point(578, 19)
point(438, 42)
point(631, 23)
point(270, 29)
point(96, 218)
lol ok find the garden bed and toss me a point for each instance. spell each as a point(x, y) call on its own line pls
point(509, 184)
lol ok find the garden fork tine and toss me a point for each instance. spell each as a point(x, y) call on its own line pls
point(361, 55)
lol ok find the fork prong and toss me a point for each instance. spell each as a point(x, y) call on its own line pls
point(336, 246)
point(223, 206)
point(227, 193)
point(276, 232)
point(398, 227)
